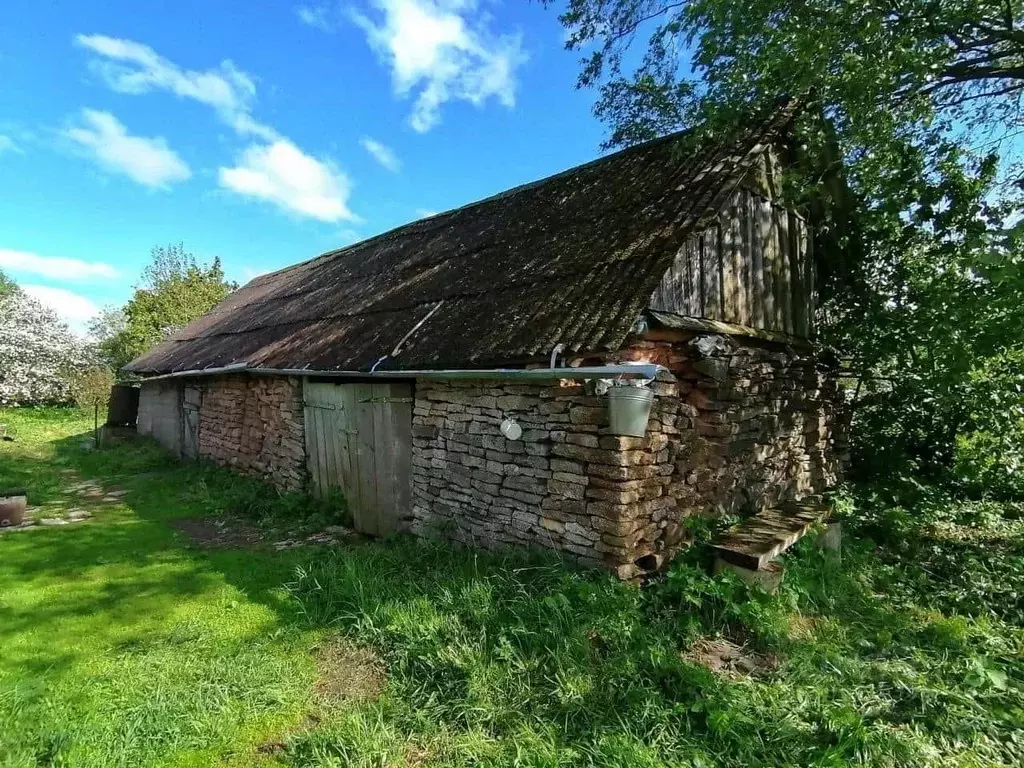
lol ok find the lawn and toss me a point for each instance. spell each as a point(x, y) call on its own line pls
point(124, 642)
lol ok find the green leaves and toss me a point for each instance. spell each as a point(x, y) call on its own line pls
point(176, 289)
point(918, 241)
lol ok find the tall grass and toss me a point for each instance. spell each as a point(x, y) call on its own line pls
point(518, 661)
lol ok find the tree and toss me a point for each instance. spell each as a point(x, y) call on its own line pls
point(876, 66)
point(38, 353)
point(175, 290)
point(90, 388)
point(109, 328)
point(908, 109)
point(7, 285)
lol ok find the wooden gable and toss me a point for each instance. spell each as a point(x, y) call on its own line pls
point(751, 265)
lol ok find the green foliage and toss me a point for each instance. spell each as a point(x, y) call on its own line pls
point(175, 290)
point(902, 158)
point(878, 70)
point(121, 644)
point(936, 329)
point(91, 386)
point(6, 285)
point(244, 497)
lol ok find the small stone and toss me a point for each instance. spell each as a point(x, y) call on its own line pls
point(74, 515)
point(53, 521)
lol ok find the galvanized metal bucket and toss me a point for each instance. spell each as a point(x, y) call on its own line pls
point(628, 410)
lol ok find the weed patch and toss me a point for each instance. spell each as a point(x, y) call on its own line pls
point(346, 673)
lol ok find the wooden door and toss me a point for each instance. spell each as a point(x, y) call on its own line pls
point(359, 440)
point(190, 402)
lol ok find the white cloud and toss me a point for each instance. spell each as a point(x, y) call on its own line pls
point(149, 161)
point(426, 213)
point(131, 67)
point(7, 145)
point(322, 16)
point(382, 153)
point(272, 168)
point(442, 50)
point(73, 308)
point(282, 174)
point(54, 267)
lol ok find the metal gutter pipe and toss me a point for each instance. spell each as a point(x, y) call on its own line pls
point(636, 371)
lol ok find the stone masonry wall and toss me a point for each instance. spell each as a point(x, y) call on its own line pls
point(736, 426)
point(766, 421)
point(254, 424)
point(565, 485)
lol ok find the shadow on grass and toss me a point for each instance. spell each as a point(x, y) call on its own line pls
point(513, 659)
point(125, 563)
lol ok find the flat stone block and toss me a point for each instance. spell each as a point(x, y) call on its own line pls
point(768, 577)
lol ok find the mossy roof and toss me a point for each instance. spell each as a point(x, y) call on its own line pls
point(571, 259)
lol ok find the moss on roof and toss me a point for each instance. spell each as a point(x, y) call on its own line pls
point(571, 259)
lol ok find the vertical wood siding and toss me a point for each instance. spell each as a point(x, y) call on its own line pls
point(751, 267)
point(359, 440)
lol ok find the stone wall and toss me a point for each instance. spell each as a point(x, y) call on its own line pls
point(737, 426)
point(254, 424)
point(766, 422)
point(565, 485)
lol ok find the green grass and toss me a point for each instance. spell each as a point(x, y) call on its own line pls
point(119, 645)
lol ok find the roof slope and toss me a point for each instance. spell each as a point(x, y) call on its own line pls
point(571, 259)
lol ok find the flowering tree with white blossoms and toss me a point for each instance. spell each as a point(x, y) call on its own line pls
point(38, 352)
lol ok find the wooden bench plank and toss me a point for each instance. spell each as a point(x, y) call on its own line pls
point(758, 540)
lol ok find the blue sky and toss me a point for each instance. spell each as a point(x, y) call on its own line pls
point(262, 133)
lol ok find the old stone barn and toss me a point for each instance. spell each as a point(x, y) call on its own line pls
point(455, 376)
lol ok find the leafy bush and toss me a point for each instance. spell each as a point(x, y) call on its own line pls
point(91, 387)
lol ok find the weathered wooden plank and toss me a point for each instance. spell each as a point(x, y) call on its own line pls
point(366, 454)
point(695, 277)
point(711, 273)
point(812, 288)
point(344, 427)
point(315, 456)
point(768, 248)
point(730, 264)
point(383, 454)
point(783, 293)
point(322, 437)
point(329, 418)
point(798, 283)
point(757, 316)
point(744, 255)
point(307, 422)
point(401, 457)
point(761, 538)
point(355, 489)
point(680, 296)
point(312, 435)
